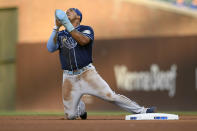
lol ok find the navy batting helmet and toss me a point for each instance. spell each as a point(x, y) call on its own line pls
point(78, 13)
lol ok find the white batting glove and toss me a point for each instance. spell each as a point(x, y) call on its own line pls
point(57, 24)
point(63, 18)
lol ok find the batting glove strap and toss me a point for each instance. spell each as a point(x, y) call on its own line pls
point(69, 27)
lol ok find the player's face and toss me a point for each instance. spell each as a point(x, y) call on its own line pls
point(72, 15)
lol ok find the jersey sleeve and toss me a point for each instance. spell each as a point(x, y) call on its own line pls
point(88, 31)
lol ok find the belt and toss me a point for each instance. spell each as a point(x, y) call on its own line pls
point(79, 71)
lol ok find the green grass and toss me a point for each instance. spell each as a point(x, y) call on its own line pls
point(108, 113)
point(29, 113)
point(91, 113)
point(182, 112)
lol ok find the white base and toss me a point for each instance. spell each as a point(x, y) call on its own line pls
point(152, 116)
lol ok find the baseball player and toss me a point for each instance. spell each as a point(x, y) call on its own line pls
point(79, 74)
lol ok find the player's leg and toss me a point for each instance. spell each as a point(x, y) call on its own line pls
point(95, 85)
point(73, 106)
point(81, 110)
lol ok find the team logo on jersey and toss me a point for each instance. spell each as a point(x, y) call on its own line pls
point(67, 42)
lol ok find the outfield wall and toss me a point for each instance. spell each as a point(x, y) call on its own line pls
point(152, 71)
point(110, 19)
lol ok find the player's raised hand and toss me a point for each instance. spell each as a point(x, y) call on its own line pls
point(57, 24)
point(63, 18)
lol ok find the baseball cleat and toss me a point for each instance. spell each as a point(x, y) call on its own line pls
point(151, 110)
point(84, 116)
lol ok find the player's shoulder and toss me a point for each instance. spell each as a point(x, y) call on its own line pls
point(84, 27)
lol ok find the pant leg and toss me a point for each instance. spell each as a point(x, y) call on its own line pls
point(95, 85)
point(81, 108)
point(71, 98)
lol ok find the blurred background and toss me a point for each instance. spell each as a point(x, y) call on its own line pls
point(144, 49)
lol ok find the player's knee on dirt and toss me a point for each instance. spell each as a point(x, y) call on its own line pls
point(70, 116)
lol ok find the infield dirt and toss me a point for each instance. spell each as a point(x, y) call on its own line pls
point(94, 123)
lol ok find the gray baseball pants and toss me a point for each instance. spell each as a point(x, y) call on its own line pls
point(90, 82)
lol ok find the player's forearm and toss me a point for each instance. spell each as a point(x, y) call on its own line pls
point(52, 42)
point(80, 38)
